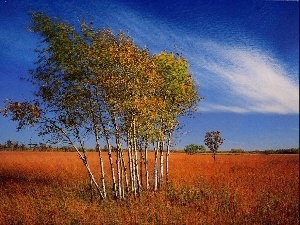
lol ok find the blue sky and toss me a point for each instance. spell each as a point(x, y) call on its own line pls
point(243, 54)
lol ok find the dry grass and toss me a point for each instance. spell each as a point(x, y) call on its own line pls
point(51, 188)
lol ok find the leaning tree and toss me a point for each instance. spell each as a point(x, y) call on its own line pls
point(93, 83)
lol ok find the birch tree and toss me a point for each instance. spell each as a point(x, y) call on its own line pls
point(62, 81)
point(179, 95)
point(91, 82)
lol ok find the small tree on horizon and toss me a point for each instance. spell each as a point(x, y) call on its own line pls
point(213, 140)
point(193, 149)
point(202, 148)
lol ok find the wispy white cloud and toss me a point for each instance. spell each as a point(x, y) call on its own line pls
point(236, 78)
point(255, 81)
point(212, 107)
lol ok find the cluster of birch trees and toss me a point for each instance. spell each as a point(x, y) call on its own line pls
point(93, 83)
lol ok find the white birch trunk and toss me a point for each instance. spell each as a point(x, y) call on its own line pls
point(112, 167)
point(102, 170)
point(109, 156)
point(155, 168)
point(86, 164)
point(161, 171)
point(119, 159)
point(142, 160)
point(146, 166)
point(100, 157)
point(167, 157)
point(125, 172)
point(82, 156)
point(118, 162)
point(136, 165)
point(122, 196)
point(130, 162)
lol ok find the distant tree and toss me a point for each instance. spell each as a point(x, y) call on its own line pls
point(202, 148)
point(9, 144)
point(16, 145)
point(23, 146)
point(237, 150)
point(193, 149)
point(213, 140)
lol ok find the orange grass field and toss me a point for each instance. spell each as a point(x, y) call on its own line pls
point(52, 188)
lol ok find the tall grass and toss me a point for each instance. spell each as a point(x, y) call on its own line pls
point(52, 188)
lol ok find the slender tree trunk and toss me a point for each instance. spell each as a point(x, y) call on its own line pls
point(130, 161)
point(118, 162)
point(142, 159)
point(122, 195)
point(112, 169)
point(167, 157)
point(161, 175)
point(107, 138)
point(91, 190)
point(97, 139)
point(100, 157)
point(155, 168)
point(146, 165)
point(136, 165)
point(119, 156)
point(82, 156)
point(86, 164)
point(125, 172)
point(119, 169)
point(102, 170)
point(92, 178)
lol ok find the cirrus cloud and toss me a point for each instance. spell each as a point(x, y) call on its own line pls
point(254, 82)
point(235, 77)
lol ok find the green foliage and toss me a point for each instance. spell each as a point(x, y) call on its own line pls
point(193, 149)
point(89, 76)
point(237, 150)
point(281, 151)
point(92, 82)
point(202, 148)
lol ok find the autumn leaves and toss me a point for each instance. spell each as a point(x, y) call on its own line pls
point(93, 83)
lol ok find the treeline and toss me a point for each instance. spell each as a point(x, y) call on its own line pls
point(10, 146)
point(278, 151)
point(41, 147)
point(268, 151)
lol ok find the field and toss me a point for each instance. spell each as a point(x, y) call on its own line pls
point(52, 188)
